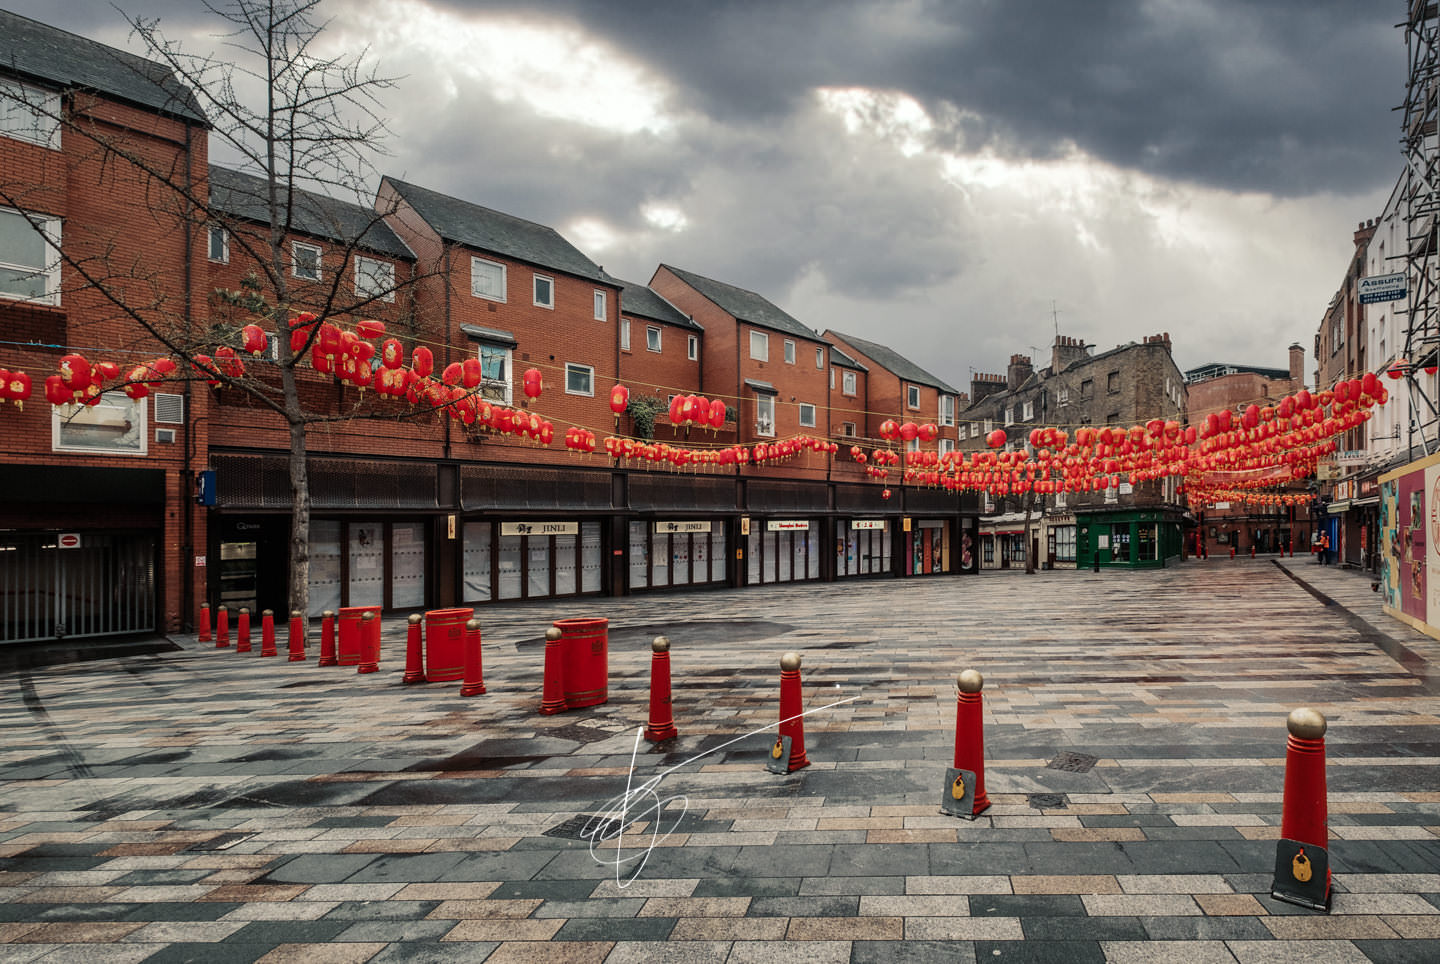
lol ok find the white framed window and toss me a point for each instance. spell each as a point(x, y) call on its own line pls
point(579, 379)
point(912, 396)
point(989, 426)
point(765, 415)
point(947, 409)
point(807, 415)
point(1009, 416)
point(692, 347)
point(652, 338)
point(487, 279)
point(599, 305)
point(219, 245)
point(624, 334)
point(544, 291)
point(495, 373)
point(847, 429)
point(820, 358)
point(374, 279)
point(789, 352)
point(962, 433)
point(832, 379)
point(1063, 396)
point(847, 383)
point(305, 260)
point(759, 346)
point(29, 259)
point(1028, 412)
point(913, 445)
point(115, 425)
point(1112, 494)
point(947, 445)
point(30, 114)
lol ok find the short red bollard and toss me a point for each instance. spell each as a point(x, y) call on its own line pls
point(327, 640)
point(1252, 550)
point(242, 632)
point(350, 637)
point(1232, 552)
point(267, 633)
point(585, 652)
point(970, 733)
point(661, 725)
point(369, 643)
point(792, 723)
point(222, 628)
point(474, 684)
point(1304, 816)
point(204, 623)
point(297, 636)
point(445, 643)
point(414, 672)
point(552, 699)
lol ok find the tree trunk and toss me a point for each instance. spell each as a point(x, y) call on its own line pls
point(299, 492)
point(1029, 555)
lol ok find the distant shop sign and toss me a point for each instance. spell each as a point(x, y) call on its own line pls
point(1385, 287)
point(539, 528)
point(783, 525)
point(1351, 457)
point(664, 526)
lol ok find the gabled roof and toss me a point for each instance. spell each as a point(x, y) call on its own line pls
point(504, 234)
point(1206, 372)
point(839, 357)
point(645, 302)
point(244, 196)
point(896, 363)
point(745, 305)
point(43, 53)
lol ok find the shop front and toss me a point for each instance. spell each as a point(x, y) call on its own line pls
point(1138, 539)
point(781, 550)
point(531, 559)
point(668, 553)
point(1059, 542)
point(927, 547)
point(863, 547)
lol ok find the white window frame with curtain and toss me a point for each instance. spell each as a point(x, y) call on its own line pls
point(759, 346)
point(374, 279)
point(600, 299)
point(847, 383)
point(807, 415)
point(789, 352)
point(765, 415)
point(947, 410)
point(652, 338)
point(487, 279)
point(624, 334)
point(219, 246)
point(301, 264)
point(579, 379)
point(495, 368)
point(543, 288)
point(30, 114)
point(912, 396)
point(692, 348)
point(21, 246)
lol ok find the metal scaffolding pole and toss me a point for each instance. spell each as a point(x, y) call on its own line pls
point(1420, 197)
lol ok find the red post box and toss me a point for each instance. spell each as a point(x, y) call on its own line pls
point(445, 644)
point(585, 655)
point(352, 637)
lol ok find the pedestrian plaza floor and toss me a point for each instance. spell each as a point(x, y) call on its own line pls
point(204, 805)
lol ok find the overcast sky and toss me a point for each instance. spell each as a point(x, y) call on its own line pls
point(932, 175)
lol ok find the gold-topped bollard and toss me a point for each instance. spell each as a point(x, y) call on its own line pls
point(970, 740)
point(552, 697)
point(792, 709)
point(327, 639)
point(662, 724)
point(414, 668)
point(242, 632)
point(1302, 856)
point(297, 636)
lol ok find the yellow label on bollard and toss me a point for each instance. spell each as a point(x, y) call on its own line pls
point(1300, 867)
point(957, 789)
point(776, 750)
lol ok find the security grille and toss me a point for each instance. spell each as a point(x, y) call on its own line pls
point(169, 409)
point(104, 586)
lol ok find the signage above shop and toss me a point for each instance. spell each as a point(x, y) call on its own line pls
point(693, 526)
point(539, 528)
point(1385, 287)
point(868, 524)
point(783, 525)
point(1352, 457)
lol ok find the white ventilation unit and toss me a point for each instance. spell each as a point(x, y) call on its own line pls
point(169, 409)
point(166, 435)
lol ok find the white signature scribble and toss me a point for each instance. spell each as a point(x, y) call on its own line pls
point(641, 802)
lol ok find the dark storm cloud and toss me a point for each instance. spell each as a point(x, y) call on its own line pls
point(1283, 96)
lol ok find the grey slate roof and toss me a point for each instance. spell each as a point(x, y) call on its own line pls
point(43, 53)
point(645, 302)
point(244, 196)
point(745, 305)
point(839, 357)
point(503, 234)
point(895, 362)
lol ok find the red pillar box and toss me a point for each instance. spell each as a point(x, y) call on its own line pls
point(585, 654)
point(445, 644)
point(352, 636)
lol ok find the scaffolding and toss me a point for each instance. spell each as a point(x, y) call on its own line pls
point(1420, 202)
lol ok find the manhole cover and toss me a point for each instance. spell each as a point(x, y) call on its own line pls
point(223, 842)
point(584, 827)
point(1072, 762)
point(1047, 801)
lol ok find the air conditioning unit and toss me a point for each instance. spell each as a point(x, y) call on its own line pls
point(166, 435)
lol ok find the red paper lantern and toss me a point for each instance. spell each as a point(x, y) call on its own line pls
point(392, 353)
point(252, 339)
point(885, 493)
point(422, 361)
point(677, 409)
point(996, 439)
point(533, 382)
point(619, 399)
point(370, 329)
point(471, 374)
point(452, 374)
point(56, 391)
point(717, 413)
point(889, 430)
point(928, 432)
point(17, 388)
point(74, 372)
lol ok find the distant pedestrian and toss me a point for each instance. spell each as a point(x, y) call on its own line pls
point(1324, 549)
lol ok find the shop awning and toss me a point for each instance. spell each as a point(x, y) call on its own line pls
point(1368, 500)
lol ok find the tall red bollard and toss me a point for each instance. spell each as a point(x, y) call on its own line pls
point(474, 684)
point(327, 640)
point(552, 699)
point(414, 661)
point(242, 632)
point(1232, 552)
point(222, 628)
point(661, 725)
point(204, 623)
point(267, 633)
point(970, 733)
point(297, 636)
point(1252, 550)
point(1304, 831)
point(369, 643)
point(792, 724)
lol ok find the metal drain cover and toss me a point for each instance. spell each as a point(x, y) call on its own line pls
point(1047, 801)
point(576, 828)
point(1072, 762)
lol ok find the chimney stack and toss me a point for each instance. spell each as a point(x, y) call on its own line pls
point(1065, 351)
point(982, 385)
point(1019, 370)
point(1297, 367)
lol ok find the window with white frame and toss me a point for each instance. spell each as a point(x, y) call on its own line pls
point(1063, 396)
point(29, 258)
point(789, 352)
point(759, 346)
point(544, 291)
point(692, 348)
point(1112, 493)
point(624, 334)
point(374, 279)
point(765, 415)
point(652, 338)
point(947, 445)
point(1028, 412)
point(820, 358)
point(219, 245)
point(847, 383)
point(599, 305)
point(962, 433)
point(1009, 415)
point(115, 425)
point(305, 260)
point(29, 114)
point(487, 279)
point(579, 379)
point(1060, 499)
point(847, 429)
point(495, 373)
point(913, 445)
point(807, 415)
point(832, 379)
point(989, 426)
point(947, 409)
point(912, 396)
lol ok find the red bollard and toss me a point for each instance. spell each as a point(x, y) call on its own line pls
point(792, 724)
point(414, 670)
point(204, 623)
point(1252, 550)
point(267, 633)
point(970, 733)
point(1232, 552)
point(369, 644)
point(297, 636)
point(661, 725)
point(1304, 812)
point(552, 699)
point(474, 684)
point(222, 628)
point(327, 640)
point(242, 632)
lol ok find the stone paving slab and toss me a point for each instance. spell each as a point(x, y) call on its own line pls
point(208, 805)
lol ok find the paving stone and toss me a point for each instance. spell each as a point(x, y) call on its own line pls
point(1040, 952)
